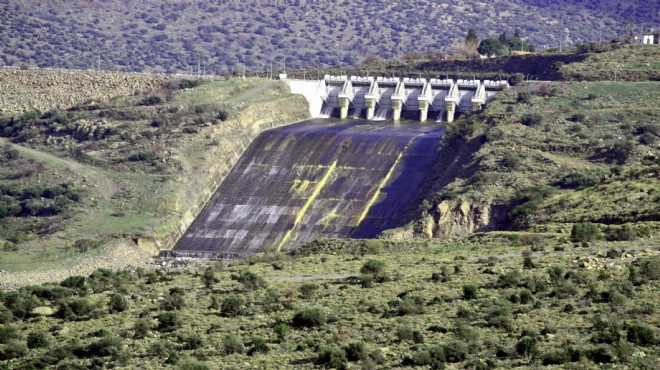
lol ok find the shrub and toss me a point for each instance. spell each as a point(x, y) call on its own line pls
point(75, 309)
point(168, 321)
point(192, 342)
point(526, 296)
point(74, 282)
point(15, 349)
point(374, 268)
point(524, 97)
point(516, 79)
point(356, 351)
point(222, 115)
point(8, 333)
point(151, 100)
point(117, 303)
point(640, 334)
point(531, 119)
point(38, 339)
point(208, 277)
point(623, 233)
point(281, 330)
point(509, 279)
point(333, 356)
point(174, 301)
point(233, 343)
point(647, 139)
point(409, 305)
point(527, 346)
point(406, 332)
point(585, 232)
point(191, 364)
point(528, 263)
point(250, 280)
point(106, 346)
point(141, 328)
point(232, 306)
point(309, 317)
point(521, 216)
point(455, 351)
point(511, 161)
point(580, 180)
point(259, 345)
point(578, 117)
point(470, 292)
point(307, 290)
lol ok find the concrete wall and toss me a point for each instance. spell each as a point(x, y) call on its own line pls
point(233, 139)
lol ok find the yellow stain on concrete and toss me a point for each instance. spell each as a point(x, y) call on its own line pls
point(382, 183)
point(329, 218)
point(317, 190)
point(299, 186)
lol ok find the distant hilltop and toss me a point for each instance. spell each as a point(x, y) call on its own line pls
point(220, 37)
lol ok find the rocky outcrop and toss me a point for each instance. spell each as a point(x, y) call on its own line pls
point(461, 217)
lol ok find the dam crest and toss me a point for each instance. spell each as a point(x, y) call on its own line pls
point(394, 98)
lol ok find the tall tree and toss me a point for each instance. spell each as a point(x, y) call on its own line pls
point(471, 37)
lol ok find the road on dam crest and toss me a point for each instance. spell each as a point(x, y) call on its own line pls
point(316, 179)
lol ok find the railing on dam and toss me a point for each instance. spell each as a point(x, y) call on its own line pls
point(382, 98)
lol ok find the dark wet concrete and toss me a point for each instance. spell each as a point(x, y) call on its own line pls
point(316, 179)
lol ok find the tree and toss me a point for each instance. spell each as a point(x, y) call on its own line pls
point(490, 47)
point(117, 303)
point(472, 38)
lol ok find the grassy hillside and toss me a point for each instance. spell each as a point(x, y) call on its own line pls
point(76, 179)
point(220, 35)
point(545, 156)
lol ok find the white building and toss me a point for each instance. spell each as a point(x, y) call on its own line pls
point(648, 39)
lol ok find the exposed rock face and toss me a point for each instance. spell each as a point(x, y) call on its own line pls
point(452, 218)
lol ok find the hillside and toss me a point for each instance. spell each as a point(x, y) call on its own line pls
point(175, 36)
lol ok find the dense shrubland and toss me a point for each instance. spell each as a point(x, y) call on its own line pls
point(430, 306)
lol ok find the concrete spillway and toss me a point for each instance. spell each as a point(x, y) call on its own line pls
point(313, 180)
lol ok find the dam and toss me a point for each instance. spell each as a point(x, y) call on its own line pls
point(394, 98)
point(321, 178)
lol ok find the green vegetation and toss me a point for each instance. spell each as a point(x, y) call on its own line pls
point(492, 312)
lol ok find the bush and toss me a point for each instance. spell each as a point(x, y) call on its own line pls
point(259, 345)
point(15, 349)
point(531, 119)
point(117, 303)
point(250, 280)
point(233, 343)
point(8, 333)
point(456, 351)
point(332, 356)
point(168, 321)
point(516, 79)
point(470, 292)
point(578, 117)
point(232, 306)
point(580, 180)
point(38, 339)
point(409, 305)
point(374, 268)
point(623, 233)
point(76, 309)
point(151, 100)
point(307, 290)
point(511, 161)
point(641, 334)
point(356, 351)
point(584, 232)
point(527, 346)
point(174, 301)
point(106, 346)
point(281, 330)
point(208, 277)
point(524, 97)
point(191, 364)
point(192, 342)
point(141, 328)
point(406, 332)
point(309, 317)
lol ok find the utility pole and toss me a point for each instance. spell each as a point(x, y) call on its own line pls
point(600, 37)
point(560, 33)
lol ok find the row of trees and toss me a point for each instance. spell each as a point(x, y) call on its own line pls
point(503, 45)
